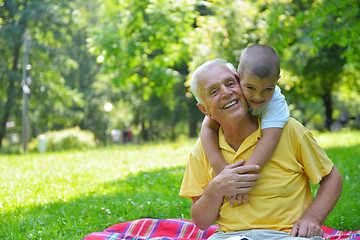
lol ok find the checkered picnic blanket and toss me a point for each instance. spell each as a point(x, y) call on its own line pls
point(332, 234)
point(169, 229)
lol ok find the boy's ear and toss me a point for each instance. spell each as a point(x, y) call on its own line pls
point(202, 109)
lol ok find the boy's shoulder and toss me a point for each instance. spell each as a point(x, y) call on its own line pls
point(277, 92)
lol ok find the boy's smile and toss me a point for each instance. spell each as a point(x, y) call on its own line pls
point(257, 91)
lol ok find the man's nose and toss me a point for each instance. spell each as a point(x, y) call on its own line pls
point(225, 92)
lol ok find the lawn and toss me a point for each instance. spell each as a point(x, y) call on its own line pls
point(67, 195)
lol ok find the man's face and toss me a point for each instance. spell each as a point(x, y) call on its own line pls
point(258, 92)
point(221, 94)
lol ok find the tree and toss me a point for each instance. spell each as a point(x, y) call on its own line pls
point(317, 41)
point(143, 54)
point(13, 26)
point(61, 67)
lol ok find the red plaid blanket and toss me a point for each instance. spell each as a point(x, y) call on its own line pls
point(149, 228)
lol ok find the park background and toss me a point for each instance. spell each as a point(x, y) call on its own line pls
point(72, 71)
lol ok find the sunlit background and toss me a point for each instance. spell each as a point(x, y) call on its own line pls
point(63, 62)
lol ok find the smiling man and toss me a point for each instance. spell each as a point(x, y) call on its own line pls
point(280, 201)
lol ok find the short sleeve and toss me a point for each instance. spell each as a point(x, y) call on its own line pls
point(276, 112)
point(314, 159)
point(196, 176)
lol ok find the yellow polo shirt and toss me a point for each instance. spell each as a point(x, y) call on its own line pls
point(281, 195)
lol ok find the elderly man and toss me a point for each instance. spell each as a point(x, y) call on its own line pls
point(280, 201)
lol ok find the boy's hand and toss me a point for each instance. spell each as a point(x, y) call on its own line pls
point(239, 198)
point(231, 199)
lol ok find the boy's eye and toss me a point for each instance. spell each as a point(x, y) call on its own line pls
point(251, 88)
point(268, 89)
point(230, 83)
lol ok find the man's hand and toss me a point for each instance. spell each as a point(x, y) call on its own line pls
point(306, 228)
point(236, 179)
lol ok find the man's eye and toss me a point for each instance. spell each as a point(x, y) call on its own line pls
point(213, 92)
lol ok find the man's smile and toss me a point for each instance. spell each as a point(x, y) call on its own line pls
point(230, 104)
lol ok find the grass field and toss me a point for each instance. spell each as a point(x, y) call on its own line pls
point(68, 195)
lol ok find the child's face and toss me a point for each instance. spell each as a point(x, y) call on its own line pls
point(257, 91)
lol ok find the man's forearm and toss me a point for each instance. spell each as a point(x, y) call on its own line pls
point(205, 209)
point(234, 179)
point(327, 195)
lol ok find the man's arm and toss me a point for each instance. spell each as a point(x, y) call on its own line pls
point(327, 195)
point(234, 179)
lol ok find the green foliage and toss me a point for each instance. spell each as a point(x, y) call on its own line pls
point(147, 57)
point(135, 41)
point(139, 55)
point(68, 195)
point(72, 138)
point(61, 68)
point(318, 41)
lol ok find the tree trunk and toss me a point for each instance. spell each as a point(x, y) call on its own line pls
point(11, 93)
point(144, 131)
point(328, 109)
point(193, 118)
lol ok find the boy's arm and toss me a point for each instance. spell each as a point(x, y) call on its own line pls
point(266, 147)
point(210, 142)
point(262, 154)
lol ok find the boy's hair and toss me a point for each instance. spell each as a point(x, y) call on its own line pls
point(259, 60)
point(202, 68)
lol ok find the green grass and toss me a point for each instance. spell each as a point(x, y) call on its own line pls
point(68, 195)
point(343, 148)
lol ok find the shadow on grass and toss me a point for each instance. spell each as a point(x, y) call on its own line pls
point(146, 194)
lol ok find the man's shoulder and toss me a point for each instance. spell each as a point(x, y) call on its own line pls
point(294, 127)
point(198, 150)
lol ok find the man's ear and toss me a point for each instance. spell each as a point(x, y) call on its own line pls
point(237, 77)
point(202, 108)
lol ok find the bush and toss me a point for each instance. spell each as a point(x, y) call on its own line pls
point(72, 138)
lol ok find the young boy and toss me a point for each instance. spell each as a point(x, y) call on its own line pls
point(259, 71)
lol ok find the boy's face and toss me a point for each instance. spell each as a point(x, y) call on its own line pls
point(257, 91)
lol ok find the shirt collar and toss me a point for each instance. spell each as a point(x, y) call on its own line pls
point(247, 143)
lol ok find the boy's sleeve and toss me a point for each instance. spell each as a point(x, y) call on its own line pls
point(276, 112)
